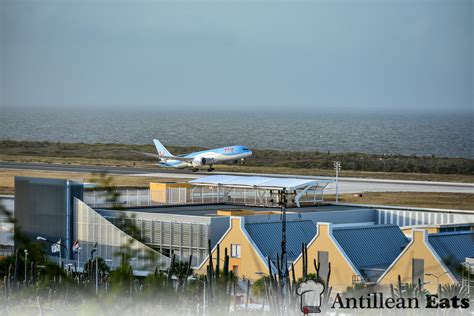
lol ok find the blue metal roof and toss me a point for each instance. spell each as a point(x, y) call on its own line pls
point(371, 247)
point(453, 247)
point(267, 237)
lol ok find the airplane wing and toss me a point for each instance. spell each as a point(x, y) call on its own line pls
point(165, 157)
point(177, 158)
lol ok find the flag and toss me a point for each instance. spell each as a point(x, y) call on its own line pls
point(93, 250)
point(56, 247)
point(75, 247)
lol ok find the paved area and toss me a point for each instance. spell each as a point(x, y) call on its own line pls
point(346, 185)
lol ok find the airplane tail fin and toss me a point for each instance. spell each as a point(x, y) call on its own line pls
point(162, 151)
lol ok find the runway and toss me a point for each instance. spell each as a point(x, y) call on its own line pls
point(346, 185)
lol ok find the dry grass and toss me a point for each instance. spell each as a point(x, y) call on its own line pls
point(355, 174)
point(461, 201)
point(79, 161)
point(7, 178)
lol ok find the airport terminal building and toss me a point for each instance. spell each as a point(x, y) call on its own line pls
point(192, 219)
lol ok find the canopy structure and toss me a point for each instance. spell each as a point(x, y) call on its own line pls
point(309, 190)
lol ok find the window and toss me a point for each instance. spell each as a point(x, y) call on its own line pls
point(235, 251)
point(235, 270)
point(323, 258)
point(418, 271)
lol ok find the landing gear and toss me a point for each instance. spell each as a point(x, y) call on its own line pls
point(195, 169)
point(210, 168)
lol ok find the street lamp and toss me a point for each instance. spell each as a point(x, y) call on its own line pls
point(337, 168)
point(78, 256)
point(40, 238)
point(203, 293)
point(26, 264)
point(437, 278)
point(107, 280)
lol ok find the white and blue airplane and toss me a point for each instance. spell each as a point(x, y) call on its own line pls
point(196, 160)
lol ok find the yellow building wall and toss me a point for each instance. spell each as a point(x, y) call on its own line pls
point(341, 271)
point(249, 262)
point(244, 212)
point(418, 249)
point(158, 190)
point(431, 230)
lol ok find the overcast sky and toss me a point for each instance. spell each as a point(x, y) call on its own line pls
point(260, 55)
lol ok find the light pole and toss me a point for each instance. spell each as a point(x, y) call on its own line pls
point(77, 254)
point(282, 201)
point(337, 168)
point(26, 264)
point(93, 251)
point(40, 238)
point(132, 280)
point(107, 280)
point(203, 294)
point(437, 278)
point(96, 275)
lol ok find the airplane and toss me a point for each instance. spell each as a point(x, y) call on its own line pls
point(195, 160)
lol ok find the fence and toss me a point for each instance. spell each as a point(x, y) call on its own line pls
point(467, 277)
point(195, 195)
point(146, 197)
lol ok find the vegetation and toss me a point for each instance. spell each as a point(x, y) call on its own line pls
point(261, 157)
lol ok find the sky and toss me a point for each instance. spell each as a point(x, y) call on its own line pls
point(386, 55)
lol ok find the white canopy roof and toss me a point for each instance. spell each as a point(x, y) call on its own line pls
point(257, 182)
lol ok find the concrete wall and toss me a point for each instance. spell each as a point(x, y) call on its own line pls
point(413, 217)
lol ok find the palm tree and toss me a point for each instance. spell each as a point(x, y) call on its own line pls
point(451, 290)
point(410, 290)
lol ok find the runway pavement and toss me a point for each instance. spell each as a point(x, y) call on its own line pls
point(346, 185)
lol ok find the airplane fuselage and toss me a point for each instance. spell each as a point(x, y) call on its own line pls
point(223, 155)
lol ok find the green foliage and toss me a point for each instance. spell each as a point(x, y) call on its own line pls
point(122, 279)
point(103, 267)
point(357, 290)
point(450, 290)
point(312, 276)
point(410, 290)
point(258, 287)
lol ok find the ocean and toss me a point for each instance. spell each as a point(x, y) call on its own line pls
point(449, 135)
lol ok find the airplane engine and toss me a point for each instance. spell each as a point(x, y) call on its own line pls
point(199, 162)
